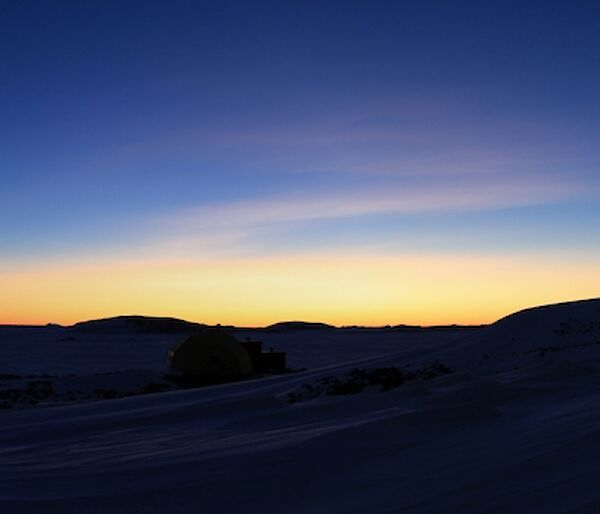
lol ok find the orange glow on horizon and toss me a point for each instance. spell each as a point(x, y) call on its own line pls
point(337, 289)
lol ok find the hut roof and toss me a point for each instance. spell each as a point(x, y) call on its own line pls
point(212, 354)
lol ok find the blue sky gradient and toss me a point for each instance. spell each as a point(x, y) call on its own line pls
point(262, 128)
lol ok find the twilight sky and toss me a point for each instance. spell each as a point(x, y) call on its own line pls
point(247, 162)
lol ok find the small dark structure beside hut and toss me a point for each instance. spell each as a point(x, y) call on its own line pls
point(264, 362)
point(214, 356)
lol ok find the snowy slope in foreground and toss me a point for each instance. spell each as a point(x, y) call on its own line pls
point(494, 436)
point(553, 334)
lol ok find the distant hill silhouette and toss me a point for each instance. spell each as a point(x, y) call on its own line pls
point(140, 324)
point(166, 325)
point(286, 326)
point(413, 328)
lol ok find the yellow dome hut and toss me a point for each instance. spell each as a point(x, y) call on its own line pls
point(213, 355)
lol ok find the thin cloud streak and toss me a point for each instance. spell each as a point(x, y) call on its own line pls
point(406, 200)
point(245, 228)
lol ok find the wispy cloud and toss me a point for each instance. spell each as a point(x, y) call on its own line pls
point(394, 200)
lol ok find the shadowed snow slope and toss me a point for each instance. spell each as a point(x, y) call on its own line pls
point(567, 331)
point(510, 432)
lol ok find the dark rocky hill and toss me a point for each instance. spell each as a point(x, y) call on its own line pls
point(138, 324)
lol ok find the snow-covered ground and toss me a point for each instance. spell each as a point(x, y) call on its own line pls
point(515, 427)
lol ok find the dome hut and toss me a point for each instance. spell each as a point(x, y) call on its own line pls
point(211, 355)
